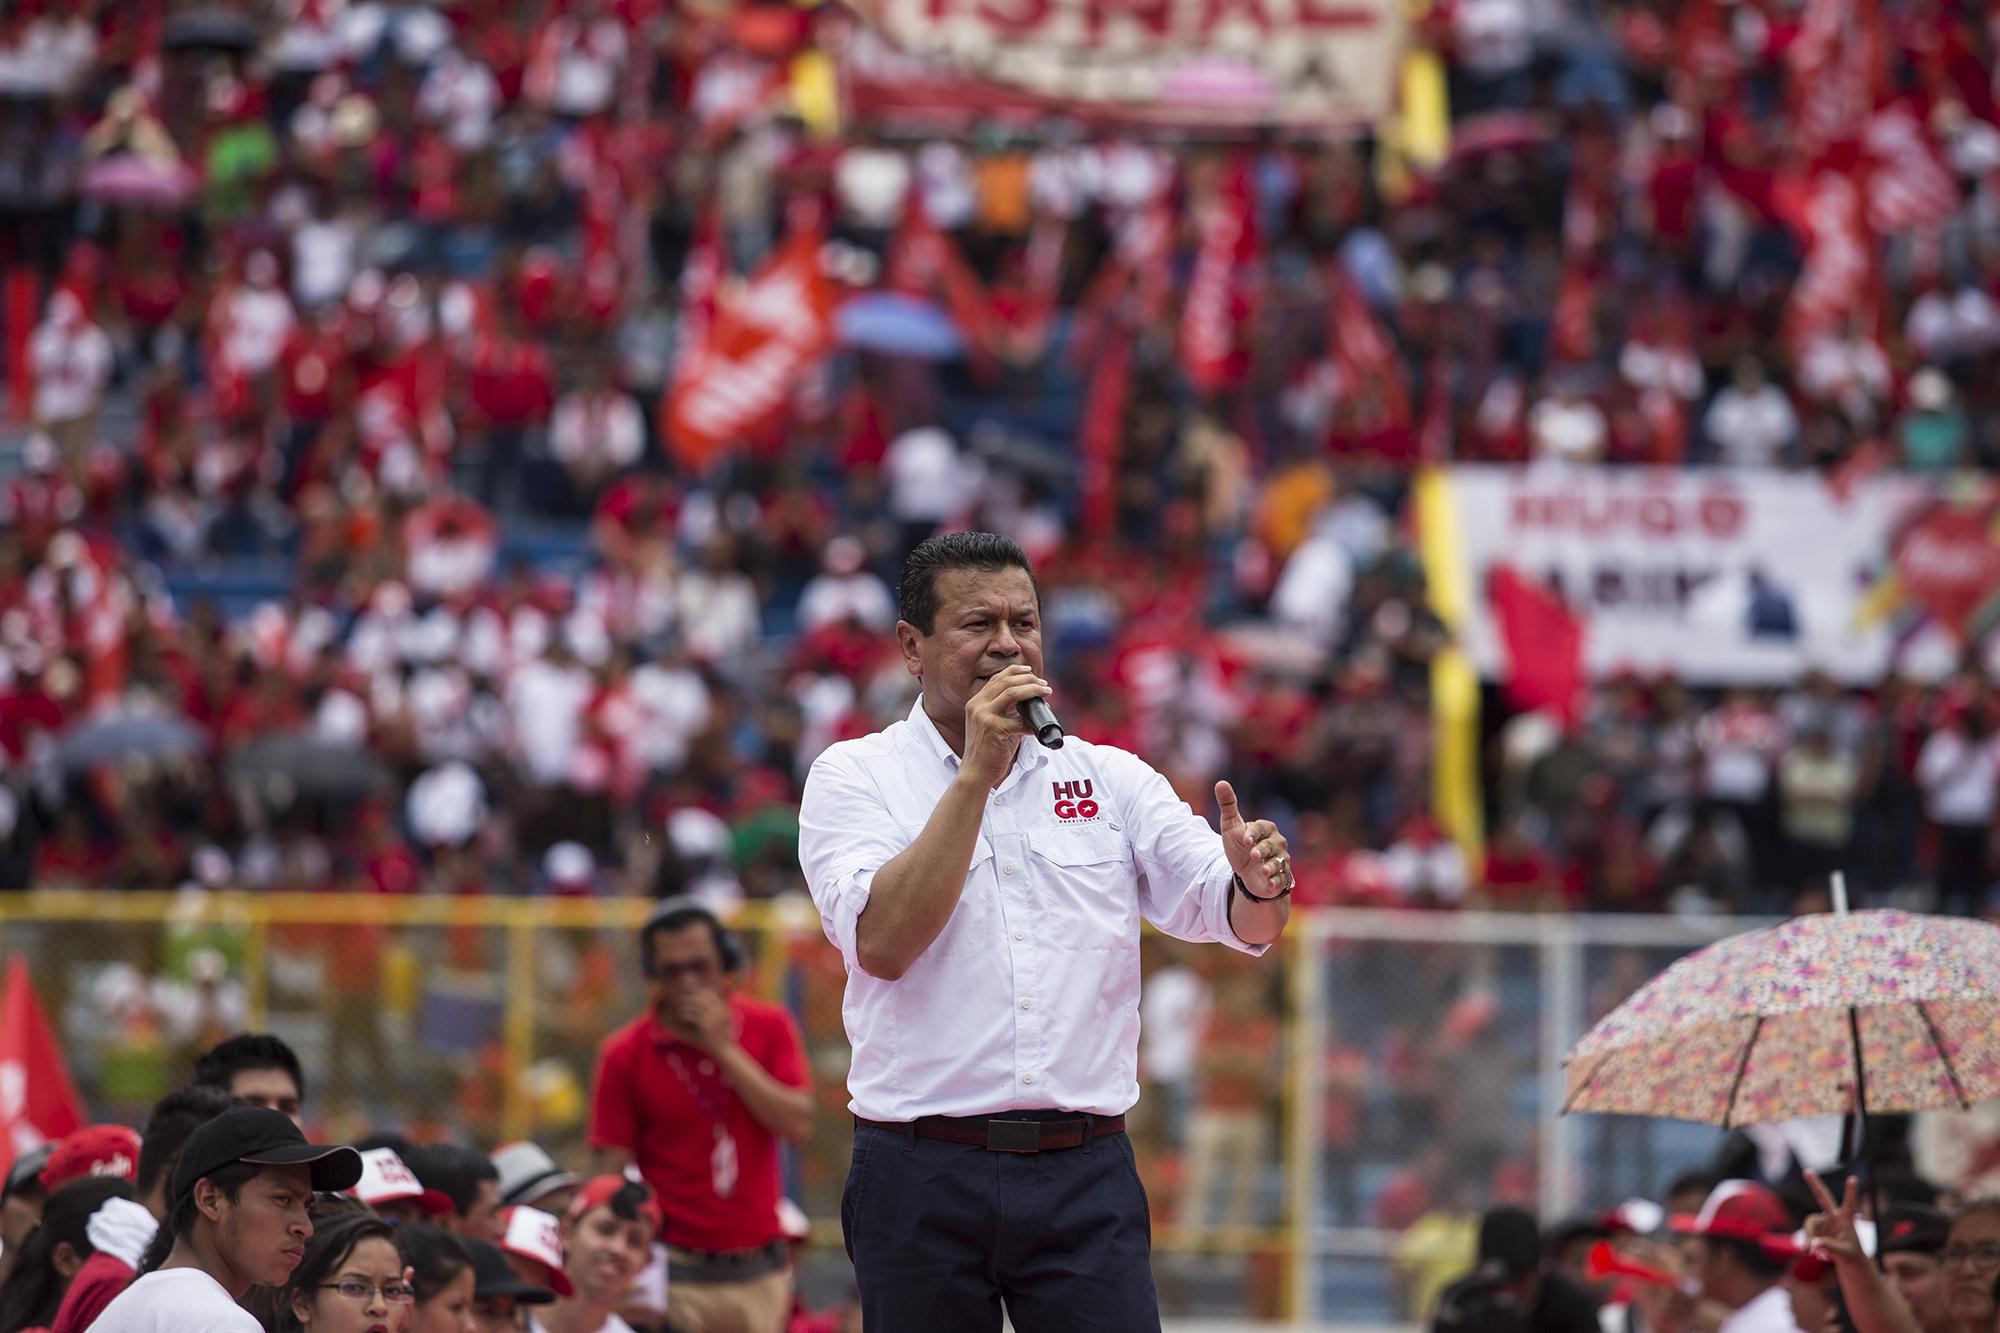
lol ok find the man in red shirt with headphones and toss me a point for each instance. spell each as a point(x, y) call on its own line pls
point(697, 1092)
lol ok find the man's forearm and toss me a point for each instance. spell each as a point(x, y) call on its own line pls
point(1255, 922)
point(784, 1110)
point(916, 891)
point(611, 1161)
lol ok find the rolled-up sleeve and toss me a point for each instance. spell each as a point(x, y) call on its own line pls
point(1184, 875)
point(846, 834)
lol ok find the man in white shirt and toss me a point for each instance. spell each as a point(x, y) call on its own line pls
point(986, 894)
point(1745, 1249)
point(239, 1217)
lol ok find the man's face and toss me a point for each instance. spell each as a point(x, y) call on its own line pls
point(683, 961)
point(482, 1219)
point(604, 1253)
point(1918, 1280)
point(986, 620)
point(496, 1314)
point(271, 1088)
point(262, 1233)
point(1711, 1267)
point(21, 1214)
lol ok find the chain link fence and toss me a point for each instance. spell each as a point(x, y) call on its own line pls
point(1318, 1129)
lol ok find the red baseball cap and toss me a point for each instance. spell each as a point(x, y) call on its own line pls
point(94, 1150)
point(1742, 1210)
point(385, 1178)
point(598, 1191)
point(534, 1234)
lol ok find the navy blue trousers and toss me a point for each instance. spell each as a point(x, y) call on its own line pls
point(942, 1233)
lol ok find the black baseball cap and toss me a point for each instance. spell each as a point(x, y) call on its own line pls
point(493, 1276)
point(1511, 1239)
point(264, 1137)
point(1912, 1228)
point(27, 1169)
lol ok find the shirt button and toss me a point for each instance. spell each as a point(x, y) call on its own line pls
point(1027, 1078)
point(1020, 934)
point(1007, 867)
point(1027, 1004)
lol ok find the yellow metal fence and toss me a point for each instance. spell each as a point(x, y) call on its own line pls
point(479, 1018)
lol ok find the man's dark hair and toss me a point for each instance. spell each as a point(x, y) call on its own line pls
point(248, 1050)
point(1753, 1256)
point(986, 551)
point(453, 1170)
point(175, 1117)
point(630, 1202)
point(181, 1212)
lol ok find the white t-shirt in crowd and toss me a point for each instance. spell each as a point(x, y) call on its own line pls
point(175, 1300)
point(1769, 1313)
point(1960, 778)
point(611, 1325)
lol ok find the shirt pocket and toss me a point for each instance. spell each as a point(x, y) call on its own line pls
point(974, 924)
point(1083, 887)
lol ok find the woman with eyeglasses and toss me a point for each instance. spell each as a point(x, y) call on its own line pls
point(1969, 1264)
point(441, 1271)
point(352, 1280)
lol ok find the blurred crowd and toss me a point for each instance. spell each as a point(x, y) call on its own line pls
point(345, 544)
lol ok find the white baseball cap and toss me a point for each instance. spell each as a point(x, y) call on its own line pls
point(385, 1179)
point(534, 1234)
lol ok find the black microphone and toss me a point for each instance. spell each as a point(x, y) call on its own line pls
point(1035, 712)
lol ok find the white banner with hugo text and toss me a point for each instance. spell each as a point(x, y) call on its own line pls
point(1723, 576)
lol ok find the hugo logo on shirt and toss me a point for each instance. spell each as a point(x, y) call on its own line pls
point(1073, 799)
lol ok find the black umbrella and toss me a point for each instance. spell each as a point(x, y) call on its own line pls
point(211, 30)
point(117, 739)
point(308, 767)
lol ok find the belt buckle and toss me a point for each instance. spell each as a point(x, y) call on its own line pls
point(1014, 1135)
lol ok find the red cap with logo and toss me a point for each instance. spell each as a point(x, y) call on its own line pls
point(1742, 1210)
point(599, 1190)
point(94, 1150)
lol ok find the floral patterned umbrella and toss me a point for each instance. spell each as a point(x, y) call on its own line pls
point(1789, 1020)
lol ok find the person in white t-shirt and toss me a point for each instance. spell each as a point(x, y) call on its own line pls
point(607, 1238)
point(238, 1217)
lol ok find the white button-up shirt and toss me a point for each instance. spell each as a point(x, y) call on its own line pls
point(1029, 997)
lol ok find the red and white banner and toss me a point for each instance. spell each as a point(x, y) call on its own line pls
point(737, 382)
point(38, 1102)
point(1191, 62)
point(1909, 184)
point(1838, 277)
point(1215, 313)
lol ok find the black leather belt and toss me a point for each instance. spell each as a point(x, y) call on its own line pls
point(1002, 1134)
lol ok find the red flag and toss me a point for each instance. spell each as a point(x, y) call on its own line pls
point(38, 1103)
point(1361, 348)
point(20, 292)
point(1544, 642)
point(1102, 432)
point(738, 382)
point(924, 262)
point(1044, 263)
point(1214, 352)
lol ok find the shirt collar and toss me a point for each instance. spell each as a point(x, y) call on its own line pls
point(1028, 758)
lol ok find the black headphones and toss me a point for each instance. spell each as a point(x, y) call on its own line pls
point(673, 913)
